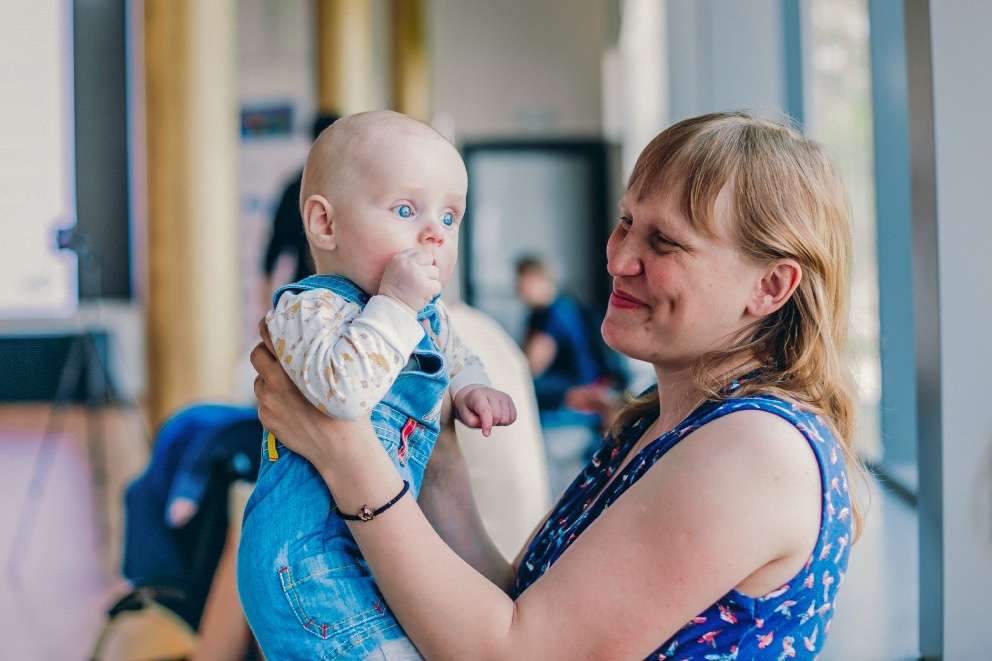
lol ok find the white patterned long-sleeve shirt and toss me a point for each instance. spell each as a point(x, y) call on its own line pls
point(345, 359)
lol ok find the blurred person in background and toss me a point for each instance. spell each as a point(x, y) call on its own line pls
point(287, 237)
point(182, 520)
point(571, 370)
point(561, 342)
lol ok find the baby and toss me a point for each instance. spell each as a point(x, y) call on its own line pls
point(382, 198)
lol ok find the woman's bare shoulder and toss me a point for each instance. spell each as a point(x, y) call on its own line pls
point(761, 463)
point(754, 437)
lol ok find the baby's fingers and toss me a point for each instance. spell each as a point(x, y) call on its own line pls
point(421, 256)
point(468, 417)
point(485, 413)
point(509, 412)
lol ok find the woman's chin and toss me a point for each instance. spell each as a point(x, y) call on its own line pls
point(618, 338)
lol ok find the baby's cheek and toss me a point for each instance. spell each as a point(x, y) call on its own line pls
point(376, 267)
point(446, 262)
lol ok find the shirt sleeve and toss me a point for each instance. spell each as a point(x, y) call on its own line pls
point(465, 368)
point(343, 360)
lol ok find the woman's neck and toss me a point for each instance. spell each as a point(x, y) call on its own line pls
point(677, 396)
point(678, 393)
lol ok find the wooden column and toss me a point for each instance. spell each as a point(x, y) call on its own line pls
point(193, 298)
point(344, 55)
point(411, 83)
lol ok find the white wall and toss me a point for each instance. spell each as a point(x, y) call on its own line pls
point(725, 56)
point(517, 66)
point(962, 95)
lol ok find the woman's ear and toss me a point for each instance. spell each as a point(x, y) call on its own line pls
point(318, 222)
point(775, 287)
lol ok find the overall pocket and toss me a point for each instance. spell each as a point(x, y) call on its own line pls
point(334, 597)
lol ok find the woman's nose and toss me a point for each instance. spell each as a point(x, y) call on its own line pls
point(621, 260)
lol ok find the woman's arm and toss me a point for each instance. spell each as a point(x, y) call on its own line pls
point(447, 501)
point(677, 540)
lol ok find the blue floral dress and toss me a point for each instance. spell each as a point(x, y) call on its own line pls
point(790, 622)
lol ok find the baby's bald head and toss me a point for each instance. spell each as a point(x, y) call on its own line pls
point(355, 146)
point(376, 184)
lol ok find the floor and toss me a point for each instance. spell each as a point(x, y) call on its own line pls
point(55, 589)
point(60, 567)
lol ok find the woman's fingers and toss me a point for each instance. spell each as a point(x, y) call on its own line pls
point(263, 332)
point(263, 360)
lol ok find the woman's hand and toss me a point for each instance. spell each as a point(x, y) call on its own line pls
point(296, 422)
point(594, 398)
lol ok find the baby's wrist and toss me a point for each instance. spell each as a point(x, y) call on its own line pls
point(466, 389)
point(399, 301)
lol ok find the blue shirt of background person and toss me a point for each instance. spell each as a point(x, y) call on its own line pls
point(561, 342)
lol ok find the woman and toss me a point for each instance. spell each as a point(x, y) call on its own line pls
point(715, 523)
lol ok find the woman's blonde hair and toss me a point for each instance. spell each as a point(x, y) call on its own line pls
point(787, 202)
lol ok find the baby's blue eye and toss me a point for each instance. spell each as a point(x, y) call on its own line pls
point(448, 219)
point(403, 211)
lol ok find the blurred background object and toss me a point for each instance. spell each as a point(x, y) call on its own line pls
point(163, 139)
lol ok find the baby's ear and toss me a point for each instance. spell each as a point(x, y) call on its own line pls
point(318, 221)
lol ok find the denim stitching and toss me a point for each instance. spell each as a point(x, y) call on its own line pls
point(322, 630)
point(329, 570)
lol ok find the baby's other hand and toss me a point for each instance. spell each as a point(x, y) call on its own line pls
point(481, 407)
point(411, 278)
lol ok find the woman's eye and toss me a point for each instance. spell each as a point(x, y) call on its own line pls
point(403, 211)
point(448, 219)
point(663, 244)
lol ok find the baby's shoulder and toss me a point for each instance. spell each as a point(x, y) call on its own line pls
point(317, 301)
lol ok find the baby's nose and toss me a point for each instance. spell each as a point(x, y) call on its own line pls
point(432, 234)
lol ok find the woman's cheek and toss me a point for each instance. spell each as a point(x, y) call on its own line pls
point(666, 278)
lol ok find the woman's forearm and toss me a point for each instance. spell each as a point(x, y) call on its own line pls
point(447, 501)
point(449, 609)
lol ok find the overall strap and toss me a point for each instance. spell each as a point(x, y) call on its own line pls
point(348, 290)
point(337, 284)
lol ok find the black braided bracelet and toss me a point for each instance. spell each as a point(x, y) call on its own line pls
point(366, 513)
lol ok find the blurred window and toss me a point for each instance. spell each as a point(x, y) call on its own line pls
point(36, 166)
point(838, 113)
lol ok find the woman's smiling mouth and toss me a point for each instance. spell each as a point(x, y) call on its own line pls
point(623, 300)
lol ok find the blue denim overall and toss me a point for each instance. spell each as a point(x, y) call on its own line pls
point(306, 590)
